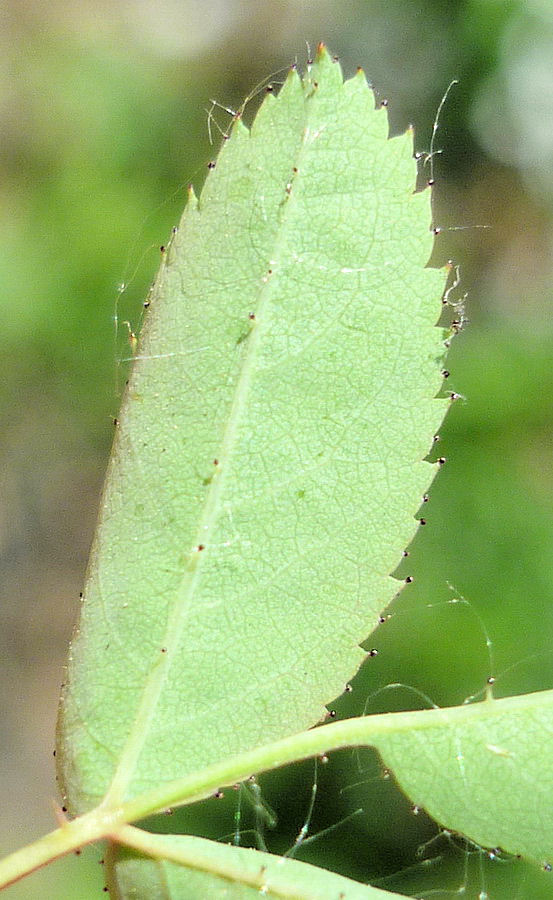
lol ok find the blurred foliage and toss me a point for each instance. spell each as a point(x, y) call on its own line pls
point(103, 122)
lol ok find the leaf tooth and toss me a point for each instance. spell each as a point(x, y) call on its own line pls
point(358, 82)
point(292, 86)
point(191, 199)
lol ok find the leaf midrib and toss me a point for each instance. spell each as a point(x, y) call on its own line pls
point(157, 677)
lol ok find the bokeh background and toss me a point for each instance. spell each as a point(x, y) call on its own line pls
point(103, 123)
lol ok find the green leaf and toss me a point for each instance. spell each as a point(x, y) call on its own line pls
point(269, 459)
point(482, 769)
point(233, 873)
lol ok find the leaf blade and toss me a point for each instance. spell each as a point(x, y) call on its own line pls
point(320, 400)
point(483, 770)
point(236, 873)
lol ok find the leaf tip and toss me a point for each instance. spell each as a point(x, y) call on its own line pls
point(321, 51)
point(322, 55)
point(326, 68)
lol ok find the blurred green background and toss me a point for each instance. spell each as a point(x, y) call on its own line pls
point(103, 124)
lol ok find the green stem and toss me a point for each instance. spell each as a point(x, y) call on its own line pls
point(72, 835)
point(355, 732)
point(108, 822)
